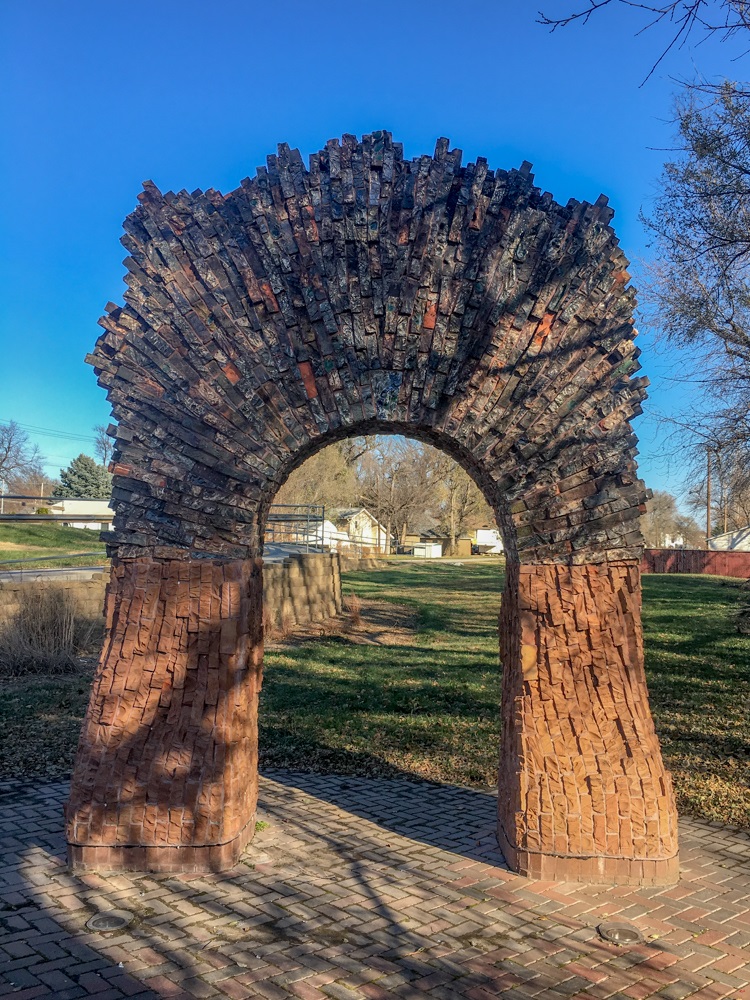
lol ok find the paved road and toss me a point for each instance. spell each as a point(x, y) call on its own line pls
point(273, 553)
point(61, 573)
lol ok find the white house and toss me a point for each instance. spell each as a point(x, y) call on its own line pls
point(732, 541)
point(673, 541)
point(354, 528)
point(93, 514)
point(488, 541)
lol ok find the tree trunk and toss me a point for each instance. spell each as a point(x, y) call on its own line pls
point(453, 522)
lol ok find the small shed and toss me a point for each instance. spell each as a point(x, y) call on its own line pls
point(428, 550)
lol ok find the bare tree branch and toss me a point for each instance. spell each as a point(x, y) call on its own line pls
point(725, 18)
point(18, 457)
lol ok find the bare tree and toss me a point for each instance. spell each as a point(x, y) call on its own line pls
point(734, 497)
point(394, 482)
point(663, 524)
point(698, 292)
point(18, 457)
point(460, 504)
point(720, 474)
point(34, 482)
point(326, 478)
point(103, 444)
point(722, 18)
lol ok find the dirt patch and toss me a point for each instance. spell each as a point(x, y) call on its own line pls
point(381, 624)
point(19, 547)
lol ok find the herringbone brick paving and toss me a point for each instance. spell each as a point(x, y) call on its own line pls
point(362, 889)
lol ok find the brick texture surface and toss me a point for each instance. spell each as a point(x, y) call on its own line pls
point(166, 771)
point(303, 588)
point(583, 791)
point(364, 888)
point(368, 293)
point(87, 595)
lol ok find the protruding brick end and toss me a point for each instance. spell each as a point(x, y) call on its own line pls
point(211, 858)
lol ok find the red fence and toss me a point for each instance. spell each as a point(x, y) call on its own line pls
point(696, 561)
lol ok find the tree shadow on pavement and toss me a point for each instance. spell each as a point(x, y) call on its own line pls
point(343, 894)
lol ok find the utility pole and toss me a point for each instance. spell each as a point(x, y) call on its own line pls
point(708, 494)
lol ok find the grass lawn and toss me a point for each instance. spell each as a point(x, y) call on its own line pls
point(698, 669)
point(431, 709)
point(37, 541)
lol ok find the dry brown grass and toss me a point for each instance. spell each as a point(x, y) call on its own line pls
point(353, 605)
point(329, 627)
point(286, 625)
point(46, 634)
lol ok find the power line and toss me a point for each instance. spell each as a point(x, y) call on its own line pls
point(51, 432)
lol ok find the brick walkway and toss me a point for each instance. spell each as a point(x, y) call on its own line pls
point(362, 888)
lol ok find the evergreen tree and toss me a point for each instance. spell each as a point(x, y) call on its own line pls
point(84, 478)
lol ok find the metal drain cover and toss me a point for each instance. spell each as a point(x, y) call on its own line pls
point(110, 920)
point(620, 933)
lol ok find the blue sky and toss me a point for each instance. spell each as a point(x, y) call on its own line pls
point(98, 97)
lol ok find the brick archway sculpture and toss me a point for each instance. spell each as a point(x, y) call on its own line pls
point(368, 293)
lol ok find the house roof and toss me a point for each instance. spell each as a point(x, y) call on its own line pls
point(433, 534)
point(339, 514)
point(343, 513)
point(421, 524)
point(728, 534)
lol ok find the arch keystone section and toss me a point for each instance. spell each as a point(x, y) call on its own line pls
point(366, 293)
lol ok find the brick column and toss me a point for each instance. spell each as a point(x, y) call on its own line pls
point(166, 773)
point(583, 792)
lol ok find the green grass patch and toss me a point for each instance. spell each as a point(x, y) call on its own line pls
point(46, 543)
point(698, 669)
point(431, 709)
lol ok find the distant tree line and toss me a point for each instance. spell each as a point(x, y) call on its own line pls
point(403, 483)
point(22, 468)
point(663, 525)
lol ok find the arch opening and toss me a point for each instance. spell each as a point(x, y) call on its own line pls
point(437, 442)
point(366, 292)
point(392, 690)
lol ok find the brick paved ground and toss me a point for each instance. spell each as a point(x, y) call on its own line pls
point(363, 888)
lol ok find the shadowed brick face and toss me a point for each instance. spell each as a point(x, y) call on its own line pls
point(167, 771)
point(366, 293)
